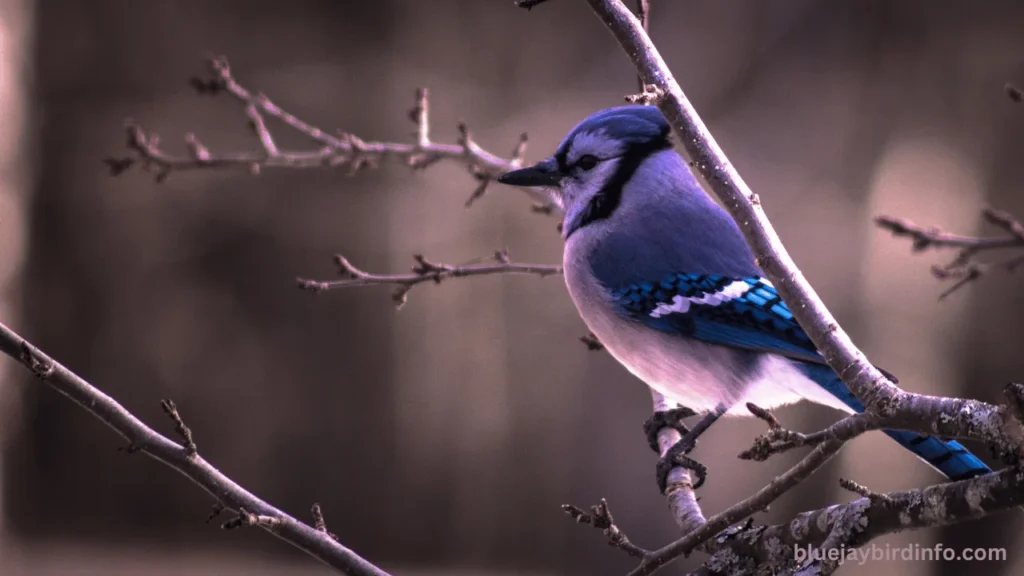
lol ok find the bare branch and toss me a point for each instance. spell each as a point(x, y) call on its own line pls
point(779, 439)
point(251, 511)
point(924, 238)
point(424, 271)
point(337, 150)
point(600, 517)
point(179, 426)
point(964, 268)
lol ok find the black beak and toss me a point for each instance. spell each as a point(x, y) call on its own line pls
point(543, 173)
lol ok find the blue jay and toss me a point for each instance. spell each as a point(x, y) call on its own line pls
point(665, 280)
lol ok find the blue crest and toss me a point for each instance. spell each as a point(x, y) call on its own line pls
point(632, 125)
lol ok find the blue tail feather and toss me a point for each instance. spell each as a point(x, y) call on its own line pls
point(947, 456)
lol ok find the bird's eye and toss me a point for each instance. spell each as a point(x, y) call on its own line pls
point(587, 161)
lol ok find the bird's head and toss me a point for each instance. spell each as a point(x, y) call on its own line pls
point(595, 161)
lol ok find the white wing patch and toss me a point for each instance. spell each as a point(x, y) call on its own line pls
point(682, 304)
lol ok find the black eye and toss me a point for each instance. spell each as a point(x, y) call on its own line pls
point(587, 162)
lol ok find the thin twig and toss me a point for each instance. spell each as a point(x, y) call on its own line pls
point(340, 149)
point(924, 238)
point(600, 517)
point(179, 426)
point(862, 490)
point(964, 268)
point(251, 511)
point(319, 523)
point(424, 271)
point(779, 439)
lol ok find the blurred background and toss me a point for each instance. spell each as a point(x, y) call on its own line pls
point(441, 439)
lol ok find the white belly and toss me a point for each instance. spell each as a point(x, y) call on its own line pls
point(695, 374)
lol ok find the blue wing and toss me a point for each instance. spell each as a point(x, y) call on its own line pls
point(738, 312)
point(748, 313)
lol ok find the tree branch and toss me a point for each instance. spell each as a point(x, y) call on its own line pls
point(183, 457)
point(340, 149)
point(779, 439)
point(424, 271)
point(964, 268)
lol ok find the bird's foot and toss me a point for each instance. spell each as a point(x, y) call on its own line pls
point(677, 454)
point(672, 418)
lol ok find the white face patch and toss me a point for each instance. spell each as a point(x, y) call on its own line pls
point(594, 143)
point(682, 304)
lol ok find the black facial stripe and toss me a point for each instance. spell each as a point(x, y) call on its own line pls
point(560, 158)
point(607, 199)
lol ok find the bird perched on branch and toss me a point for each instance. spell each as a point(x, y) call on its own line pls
point(665, 280)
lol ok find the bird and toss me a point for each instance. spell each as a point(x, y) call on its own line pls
point(663, 277)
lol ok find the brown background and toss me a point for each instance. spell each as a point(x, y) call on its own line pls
point(445, 436)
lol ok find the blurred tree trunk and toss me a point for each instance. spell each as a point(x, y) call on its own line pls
point(16, 27)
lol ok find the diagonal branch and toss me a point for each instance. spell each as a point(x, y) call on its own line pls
point(183, 457)
point(424, 271)
point(334, 150)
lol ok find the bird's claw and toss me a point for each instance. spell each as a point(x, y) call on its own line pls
point(677, 456)
point(672, 418)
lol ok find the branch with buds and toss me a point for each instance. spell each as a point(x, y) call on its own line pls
point(334, 150)
point(425, 271)
point(184, 457)
point(964, 268)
